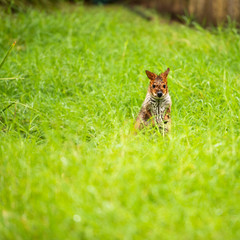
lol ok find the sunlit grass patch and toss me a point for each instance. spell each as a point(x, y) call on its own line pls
point(70, 165)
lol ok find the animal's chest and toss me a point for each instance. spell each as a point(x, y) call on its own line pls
point(157, 110)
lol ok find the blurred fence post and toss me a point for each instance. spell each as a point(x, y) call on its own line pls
point(205, 11)
point(234, 9)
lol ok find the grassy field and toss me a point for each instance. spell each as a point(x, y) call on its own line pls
point(70, 167)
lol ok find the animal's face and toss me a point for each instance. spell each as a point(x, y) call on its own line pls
point(158, 83)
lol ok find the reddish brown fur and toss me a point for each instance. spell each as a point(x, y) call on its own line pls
point(159, 81)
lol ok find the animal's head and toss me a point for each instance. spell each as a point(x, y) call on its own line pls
point(158, 83)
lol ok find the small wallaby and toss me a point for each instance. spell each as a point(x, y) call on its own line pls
point(156, 107)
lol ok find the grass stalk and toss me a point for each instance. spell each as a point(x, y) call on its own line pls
point(8, 52)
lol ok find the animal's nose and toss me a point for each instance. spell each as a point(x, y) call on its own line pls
point(159, 94)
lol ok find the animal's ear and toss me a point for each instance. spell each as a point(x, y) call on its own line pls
point(151, 75)
point(165, 74)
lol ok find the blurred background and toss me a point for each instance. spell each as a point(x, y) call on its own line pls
point(206, 12)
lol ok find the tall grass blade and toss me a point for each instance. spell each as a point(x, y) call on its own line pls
point(7, 107)
point(8, 52)
point(12, 78)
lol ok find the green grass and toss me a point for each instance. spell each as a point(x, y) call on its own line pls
point(70, 167)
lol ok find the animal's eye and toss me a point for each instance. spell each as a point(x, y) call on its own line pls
point(153, 86)
point(164, 86)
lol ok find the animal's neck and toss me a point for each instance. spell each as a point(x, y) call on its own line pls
point(157, 107)
point(165, 101)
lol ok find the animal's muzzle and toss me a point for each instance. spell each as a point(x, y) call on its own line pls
point(159, 94)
